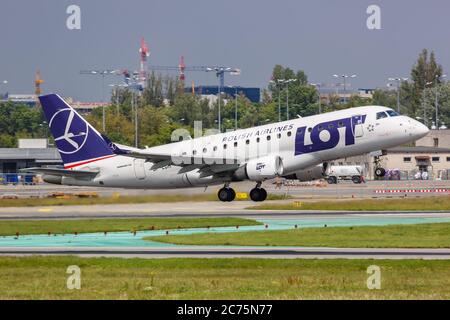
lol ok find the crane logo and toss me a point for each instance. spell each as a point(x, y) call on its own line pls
point(70, 132)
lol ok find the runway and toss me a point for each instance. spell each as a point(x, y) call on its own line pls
point(235, 252)
point(128, 245)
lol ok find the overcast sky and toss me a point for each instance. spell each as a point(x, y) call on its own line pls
point(322, 37)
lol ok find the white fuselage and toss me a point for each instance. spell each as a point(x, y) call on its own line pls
point(288, 141)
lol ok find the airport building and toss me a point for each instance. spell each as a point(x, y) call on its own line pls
point(253, 94)
point(30, 153)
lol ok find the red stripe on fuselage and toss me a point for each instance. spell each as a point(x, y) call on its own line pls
point(86, 162)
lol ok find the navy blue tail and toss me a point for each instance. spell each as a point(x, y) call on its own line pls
point(76, 140)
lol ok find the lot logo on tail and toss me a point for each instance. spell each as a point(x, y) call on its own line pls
point(70, 136)
point(326, 135)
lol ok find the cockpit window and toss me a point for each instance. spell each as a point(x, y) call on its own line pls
point(392, 113)
point(381, 115)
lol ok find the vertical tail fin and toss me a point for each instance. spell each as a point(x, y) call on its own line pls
point(77, 141)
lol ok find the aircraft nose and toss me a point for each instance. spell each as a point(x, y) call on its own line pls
point(420, 130)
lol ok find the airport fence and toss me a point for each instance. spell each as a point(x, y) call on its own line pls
point(19, 178)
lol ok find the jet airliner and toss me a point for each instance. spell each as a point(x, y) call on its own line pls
point(292, 149)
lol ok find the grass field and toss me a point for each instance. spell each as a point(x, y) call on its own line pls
point(111, 278)
point(10, 227)
point(35, 202)
point(436, 235)
point(405, 204)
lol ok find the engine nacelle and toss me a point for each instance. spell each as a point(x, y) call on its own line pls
point(314, 173)
point(52, 179)
point(260, 169)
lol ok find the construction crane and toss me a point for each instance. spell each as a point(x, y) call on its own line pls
point(182, 68)
point(144, 53)
point(37, 83)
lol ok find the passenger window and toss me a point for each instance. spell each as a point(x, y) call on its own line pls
point(381, 115)
point(257, 140)
point(279, 136)
point(290, 133)
point(215, 149)
point(268, 138)
point(247, 142)
point(194, 152)
point(309, 129)
point(225, 146)
point(235, 144)
point(204, 150)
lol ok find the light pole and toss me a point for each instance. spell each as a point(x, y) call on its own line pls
point(286, 83)
point(4, 82)
point(102, 73)
point(344, 77)
point(398, 81)
point(235, 105)
point(277, 84)
point(425, 122)
point(436, 103)
point(317, 86)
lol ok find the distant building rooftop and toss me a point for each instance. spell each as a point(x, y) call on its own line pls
point(419, 149)
point(40, 155)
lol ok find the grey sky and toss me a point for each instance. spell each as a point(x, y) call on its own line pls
point(322, 37)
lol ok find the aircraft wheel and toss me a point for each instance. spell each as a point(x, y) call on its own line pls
point(380, 172)
point(258, 194)
point(226, 194)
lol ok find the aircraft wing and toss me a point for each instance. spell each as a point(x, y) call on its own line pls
point(62, 172)
point(208, 165)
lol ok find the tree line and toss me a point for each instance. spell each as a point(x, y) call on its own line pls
point(163, 106)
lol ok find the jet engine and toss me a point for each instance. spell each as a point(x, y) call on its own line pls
point(260, 169)
point(310, 174)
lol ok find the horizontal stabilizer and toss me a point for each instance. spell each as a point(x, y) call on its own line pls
point(62, 172)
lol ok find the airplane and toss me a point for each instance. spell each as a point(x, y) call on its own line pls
point(293, 149)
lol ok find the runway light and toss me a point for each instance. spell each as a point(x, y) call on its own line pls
point(134, 233)
point(49, 233)
point(325, 225)
point(167, 233)
point(296, 226)
point(266, 226)
point(106, 232)
point(76, 233)
point(237, 227)
point(17, 234)
point(207, 227)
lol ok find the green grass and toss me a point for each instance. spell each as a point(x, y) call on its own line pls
point(33, 202)
point(436, 235)
point(36, 202)
point(10, 227)
point(113, 278)
point(405, 204)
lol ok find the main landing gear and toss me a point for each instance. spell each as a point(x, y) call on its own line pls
point(227, 194)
